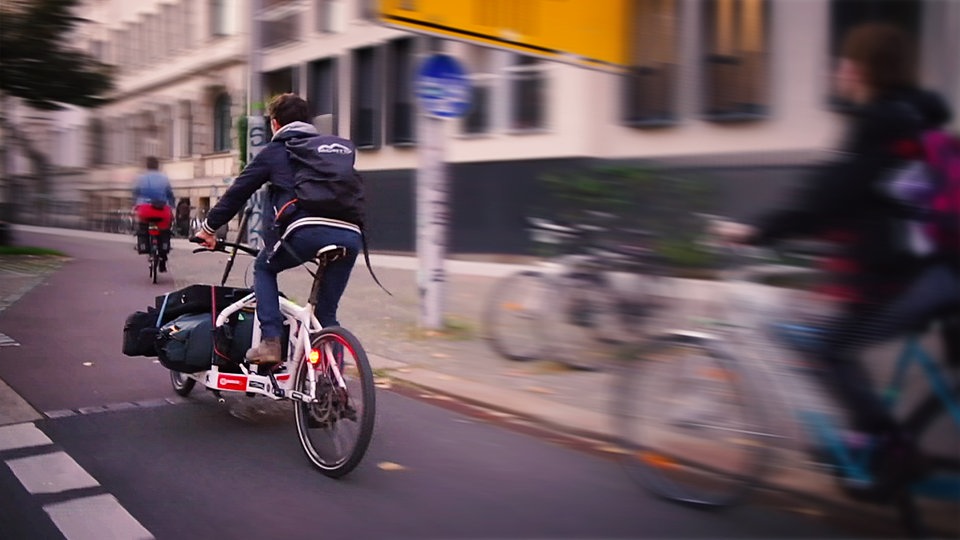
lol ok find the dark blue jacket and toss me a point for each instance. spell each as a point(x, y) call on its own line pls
point(271, 165)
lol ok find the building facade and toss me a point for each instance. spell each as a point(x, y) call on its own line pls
point(735, 89)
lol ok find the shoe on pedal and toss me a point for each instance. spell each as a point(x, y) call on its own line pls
point(267, 352)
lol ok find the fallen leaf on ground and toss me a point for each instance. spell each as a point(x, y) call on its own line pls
point(613, 449)
point(88, 364)
point(390, 466)
point(440, 355)
point(539, 390)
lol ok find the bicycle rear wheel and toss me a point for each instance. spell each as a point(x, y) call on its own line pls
point(935, 494)
point(154, 264)
point(182, 384)
point(580, 320)
point(688, 422)
point(336, 428)
point(514, 315)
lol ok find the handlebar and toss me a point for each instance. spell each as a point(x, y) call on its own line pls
point(222, 246)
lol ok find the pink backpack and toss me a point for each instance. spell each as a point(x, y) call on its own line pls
point(941, 151)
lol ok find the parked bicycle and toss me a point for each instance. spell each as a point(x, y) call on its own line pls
point(700, 412)
point(599, 290)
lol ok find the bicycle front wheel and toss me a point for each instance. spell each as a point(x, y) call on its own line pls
point(936, 492)
point(514, 315)
point(335, 429)
point(688, 422)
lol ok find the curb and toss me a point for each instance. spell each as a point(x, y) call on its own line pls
point(782, 476)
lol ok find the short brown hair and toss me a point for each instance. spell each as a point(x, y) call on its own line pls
point(885, 54)
point(286, 108)
point(153, 163)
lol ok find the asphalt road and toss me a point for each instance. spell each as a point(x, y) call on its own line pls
point(151, 465)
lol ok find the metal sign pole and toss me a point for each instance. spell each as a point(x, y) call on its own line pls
point(432, 223)
point(444, 92)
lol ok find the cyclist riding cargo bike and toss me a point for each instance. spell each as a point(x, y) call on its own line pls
point(315, 206)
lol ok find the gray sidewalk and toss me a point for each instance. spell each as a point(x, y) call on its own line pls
point(456, 363)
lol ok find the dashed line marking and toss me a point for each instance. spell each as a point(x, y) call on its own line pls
point(120, 406)
point(81, 518)
point(96, 518)
point(51, 473)
point(22, 436)
point(7, 341)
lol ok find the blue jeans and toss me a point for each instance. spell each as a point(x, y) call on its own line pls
point(305, 242)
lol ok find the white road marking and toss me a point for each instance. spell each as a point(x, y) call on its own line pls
point(51, 473)
point(96, 518)
point(7, 341)
point(22, 436)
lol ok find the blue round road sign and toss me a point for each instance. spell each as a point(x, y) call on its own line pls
point(443, 87)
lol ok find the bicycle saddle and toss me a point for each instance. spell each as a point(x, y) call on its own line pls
point(330, 253)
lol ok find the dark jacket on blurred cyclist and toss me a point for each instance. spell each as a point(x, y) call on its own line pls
point(882, 292)
point(290, 119)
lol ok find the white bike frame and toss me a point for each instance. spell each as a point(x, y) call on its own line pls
point(301, 323)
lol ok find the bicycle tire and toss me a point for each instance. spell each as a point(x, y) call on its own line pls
point(580, 320)
point(934, 495)
point(182, 384)
point(514, 313)
point(332, 410)
point(688, 422)
point(153, 260)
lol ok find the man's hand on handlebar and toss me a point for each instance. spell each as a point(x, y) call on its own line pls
point(209, 241)
point(734, 233)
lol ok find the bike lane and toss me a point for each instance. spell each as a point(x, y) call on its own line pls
point(195, 471)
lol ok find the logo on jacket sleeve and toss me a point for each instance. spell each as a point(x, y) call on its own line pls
point(334, 148)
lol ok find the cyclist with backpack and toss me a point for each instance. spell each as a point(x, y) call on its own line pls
point(315, 198)
point(886, 282)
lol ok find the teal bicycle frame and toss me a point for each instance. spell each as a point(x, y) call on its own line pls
point(854, 465)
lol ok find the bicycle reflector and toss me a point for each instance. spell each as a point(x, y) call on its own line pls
point(314, 356)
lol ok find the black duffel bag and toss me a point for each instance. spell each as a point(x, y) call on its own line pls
point(198, 299)
point(186, 344)
point(140, 333)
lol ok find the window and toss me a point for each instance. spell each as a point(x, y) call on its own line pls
point(367, 9)
point(281, 30)
point(324, 12)
point(483, 82)
point(322, 89)
point(187, 12)
point(735, 59)
point(650, 83)
point(528, 94)
point(365, 121)
point(97, 49)
point(218, 18)
point(170, 26)
point(222, 122)
point(280, 81)
point(165, 121)
point(135, 45)
point(400, 108)
point(98, 147)
point(186, 129)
